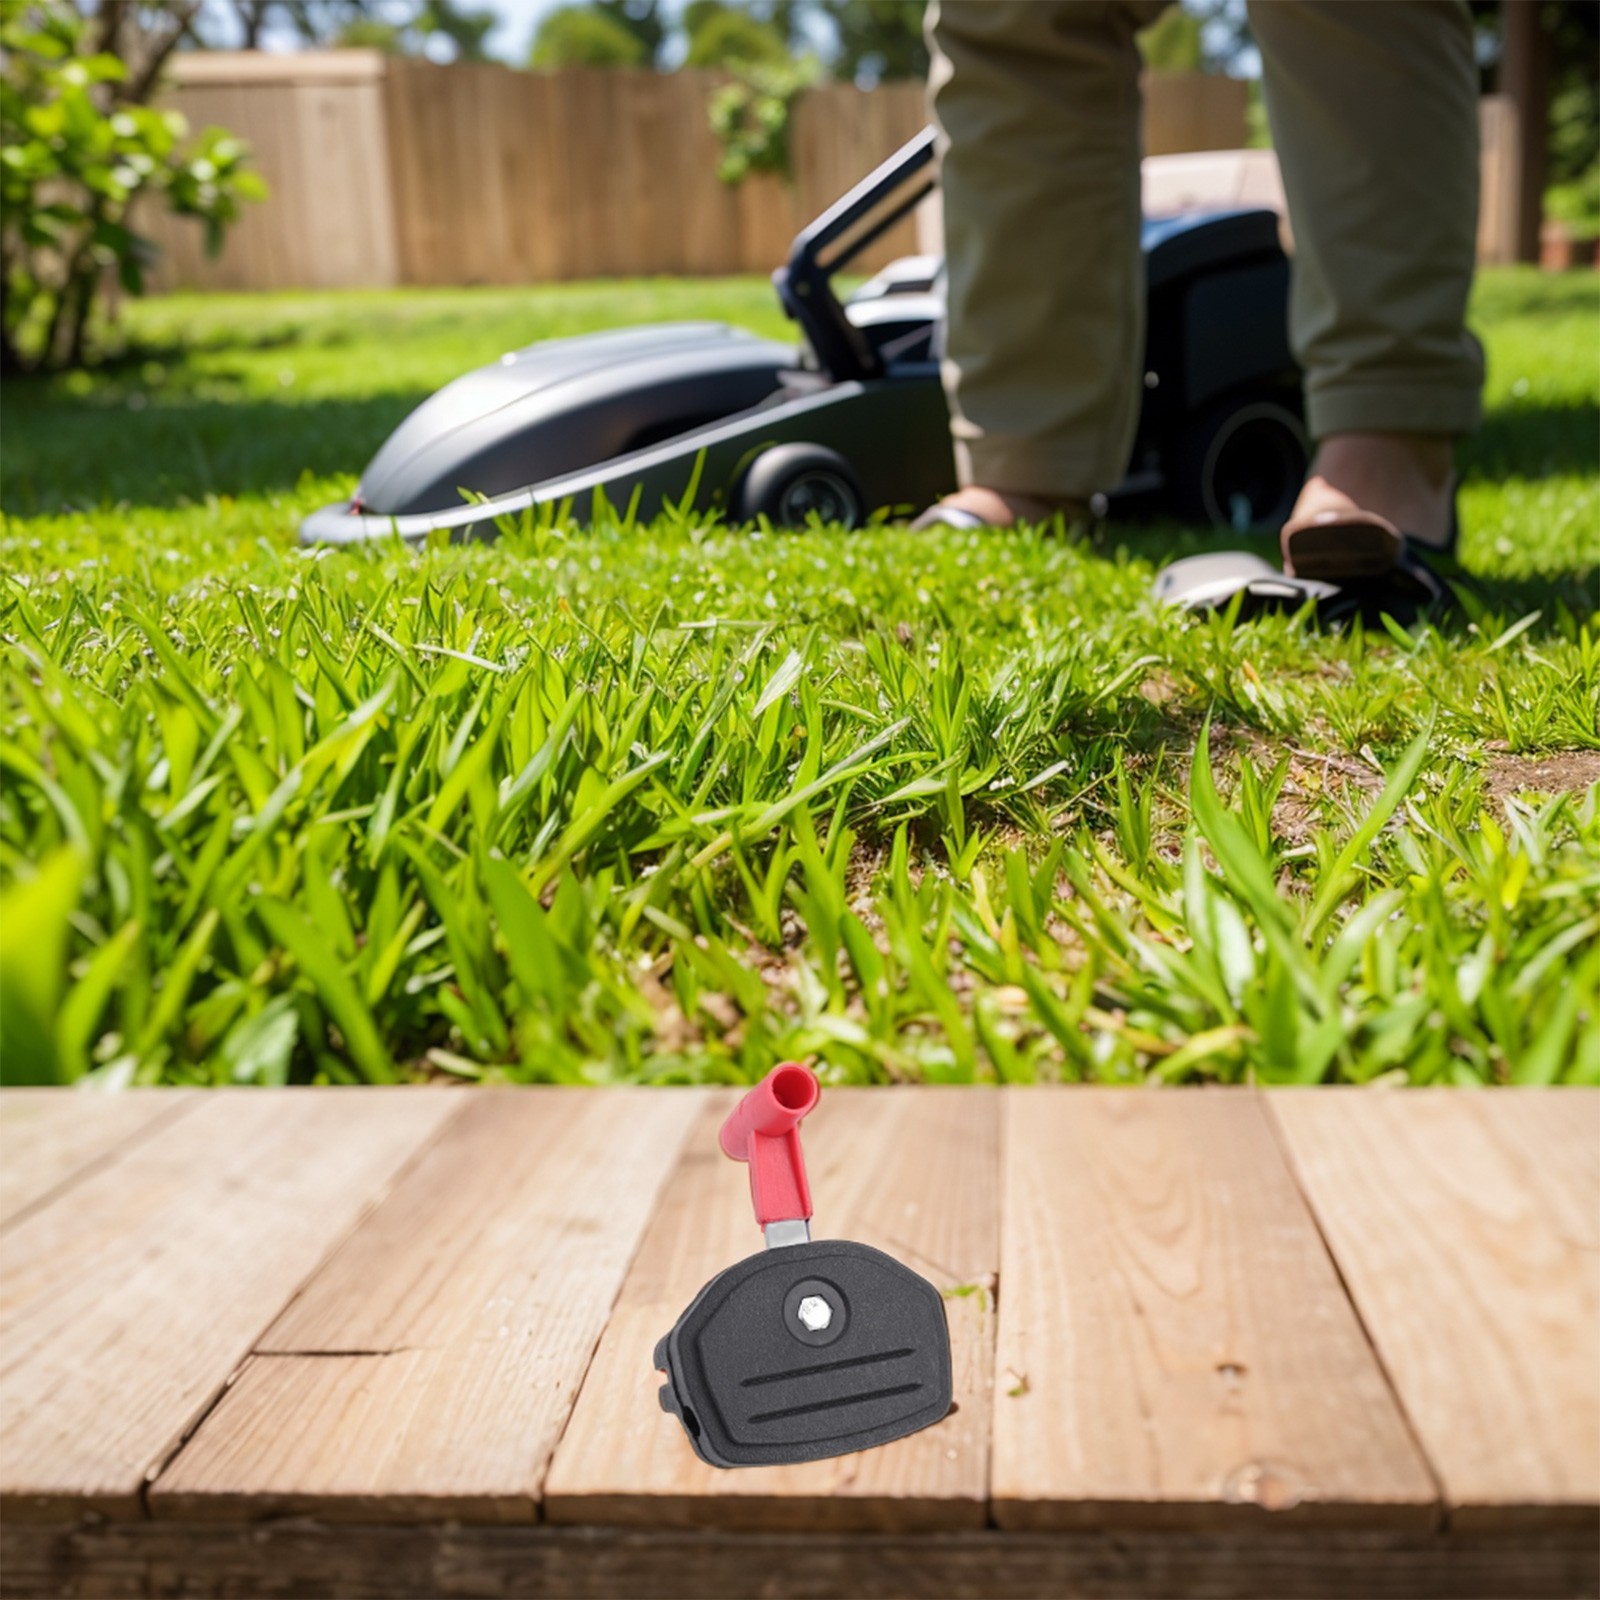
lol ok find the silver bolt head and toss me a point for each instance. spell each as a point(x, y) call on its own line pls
point(814, 1313)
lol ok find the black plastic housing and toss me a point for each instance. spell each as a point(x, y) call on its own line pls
point(754, 1387)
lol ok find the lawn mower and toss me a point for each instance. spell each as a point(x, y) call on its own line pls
point(853, 421)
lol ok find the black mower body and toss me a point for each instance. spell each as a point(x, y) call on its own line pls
point(853, 421)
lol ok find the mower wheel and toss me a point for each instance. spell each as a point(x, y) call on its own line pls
point(787, 483)
point(1240, 463)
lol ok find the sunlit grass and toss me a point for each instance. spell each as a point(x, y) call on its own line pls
point(678, 802)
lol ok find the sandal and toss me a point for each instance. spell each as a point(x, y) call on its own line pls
point(941, 515)
point(1375, 566)
point(946, 514)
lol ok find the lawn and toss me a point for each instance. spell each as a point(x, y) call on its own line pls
point(676, 802)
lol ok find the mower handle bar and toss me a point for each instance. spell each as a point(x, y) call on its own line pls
point(804, 281)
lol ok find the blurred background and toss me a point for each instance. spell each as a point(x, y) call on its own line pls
point(453, 142)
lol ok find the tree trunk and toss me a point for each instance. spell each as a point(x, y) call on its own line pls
point(1525, 81)
point(78, 317)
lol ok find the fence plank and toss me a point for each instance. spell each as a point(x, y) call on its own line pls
point(1468, 1229)
point(1499, 186)
point(914, 1172)
point(1194, 111)
point(128, 1300)
point(394, 170)
point(319, 138)
point(1174, 1344)
point(428, 1370)
point(48, 1137)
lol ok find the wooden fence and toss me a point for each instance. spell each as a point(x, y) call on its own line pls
point(387, 171)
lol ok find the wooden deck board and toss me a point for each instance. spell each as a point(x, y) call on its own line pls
point(49, 1137)
point(1174, 1343)
point(299, 1557)
point(429, 1369)
point(399, 1342)
point(913, 1172)
point(127, 1301)
point(1467, 1227)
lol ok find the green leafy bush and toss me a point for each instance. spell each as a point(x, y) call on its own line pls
point(77, 155)
point(751, 116)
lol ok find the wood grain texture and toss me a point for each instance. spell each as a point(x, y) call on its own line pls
point(428, 1370)
point(291, 1559)
point(128, 1300)
point(1467, 1228)
point(913, 1172)
point(1174, 1343)
point(50, 1137)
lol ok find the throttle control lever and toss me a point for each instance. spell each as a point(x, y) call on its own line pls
point(810, 1348)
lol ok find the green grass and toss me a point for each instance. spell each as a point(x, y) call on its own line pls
point(678, 802)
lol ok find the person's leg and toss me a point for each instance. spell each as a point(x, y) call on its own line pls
point(1037, 104)
point(1374, 115)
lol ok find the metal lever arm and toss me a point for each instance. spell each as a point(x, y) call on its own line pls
point(804, 281)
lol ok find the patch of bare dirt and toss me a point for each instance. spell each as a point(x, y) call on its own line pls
point(1560, 773)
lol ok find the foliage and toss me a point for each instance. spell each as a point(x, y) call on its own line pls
point(246, 24)
point(1577, 203)
point(642, 18)
point(674, 803)
point(465, 29)
point(404, 27)
point(77, 152)
point(1571, 30)
point(416, 30)
point(751, 115)
point(1172, 43)
point(582, 36)
point(1574, 192)
point(729, 36)
point(876, 40)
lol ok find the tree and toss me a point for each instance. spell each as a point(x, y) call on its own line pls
point(246, 24)
point(80, 147)
point(465, 30)
point(442, 23)
point(583, 36)
point(726, 36)
point(642, 18)
point(403, 27)
point(876, 39)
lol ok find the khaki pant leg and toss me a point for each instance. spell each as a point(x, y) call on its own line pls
point(1374, 115)
point(1037, 103)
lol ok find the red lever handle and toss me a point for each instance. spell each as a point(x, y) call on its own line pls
point(763, 1129)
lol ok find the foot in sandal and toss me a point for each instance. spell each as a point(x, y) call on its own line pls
point(1370, 502)
point(978, 507)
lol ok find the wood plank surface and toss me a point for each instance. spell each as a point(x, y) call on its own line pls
point(298, 1557)
point(127, 1301)
point(1174, 1343)
point(913, 1172)
point(428, 1370)
point(1467, 1227)
point(49, 1137)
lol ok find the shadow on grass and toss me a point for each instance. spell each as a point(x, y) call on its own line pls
point(60, 454)
point(1540, 440)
